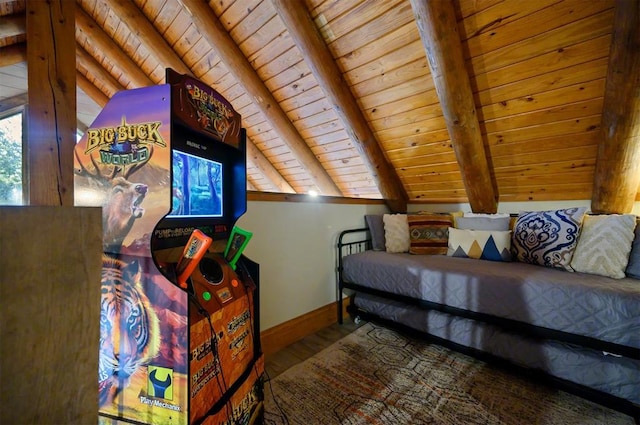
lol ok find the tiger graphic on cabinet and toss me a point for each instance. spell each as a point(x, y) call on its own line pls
point(129, 327)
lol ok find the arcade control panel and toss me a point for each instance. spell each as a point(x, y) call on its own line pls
point(216, 284)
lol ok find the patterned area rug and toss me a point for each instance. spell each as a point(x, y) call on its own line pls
point(377, 376)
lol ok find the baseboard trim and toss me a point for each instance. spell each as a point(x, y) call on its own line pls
point(276, 338)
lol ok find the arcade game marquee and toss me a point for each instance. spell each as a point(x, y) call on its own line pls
point(179, 329)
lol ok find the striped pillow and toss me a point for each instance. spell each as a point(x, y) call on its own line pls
point(429, 233)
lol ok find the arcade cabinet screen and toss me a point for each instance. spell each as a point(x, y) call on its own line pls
point(197, 186)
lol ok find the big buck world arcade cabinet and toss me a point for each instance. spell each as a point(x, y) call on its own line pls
point(163, 162)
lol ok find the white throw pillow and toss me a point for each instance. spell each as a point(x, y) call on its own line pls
point(489, 216)
point(396, 232)
point(604, 245)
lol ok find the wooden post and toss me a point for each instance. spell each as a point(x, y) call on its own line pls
point(51, 123)
point(617, 176)
point(437, 24)
point(312, 46)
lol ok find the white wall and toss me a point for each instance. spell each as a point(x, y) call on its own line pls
point(294, 242)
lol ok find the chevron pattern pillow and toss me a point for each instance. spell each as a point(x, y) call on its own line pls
point(490, 245)
point(604, 245)
point(547, 238)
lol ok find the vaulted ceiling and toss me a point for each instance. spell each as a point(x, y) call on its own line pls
point(476, 101)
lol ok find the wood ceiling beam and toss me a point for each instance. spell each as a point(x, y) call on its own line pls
point(305, 34)
point(91, 90)
point(13, 25)
point(13, 102)
point(438, 29)
point(212, 29)
point(51, 127)
point(617, 176)
point(148, 35)
point(82, 127)
point(267, 169)
point(101, 41)
point(93, 67)
point(13, 54)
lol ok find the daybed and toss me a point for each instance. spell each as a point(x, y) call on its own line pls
point(581, 329)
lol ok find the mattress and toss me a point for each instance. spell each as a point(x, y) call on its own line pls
point(583, 304)
point(617, 376)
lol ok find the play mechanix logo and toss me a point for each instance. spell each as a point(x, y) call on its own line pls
point(125, 144)
point(159, 387)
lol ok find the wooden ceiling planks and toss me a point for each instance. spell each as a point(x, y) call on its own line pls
point(558, 107)
point(537, 72)
point(232, 16)
point(312, 46)
point(213, 29)
point(51, 127)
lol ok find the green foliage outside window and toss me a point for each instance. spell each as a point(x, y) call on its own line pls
point(11, 160)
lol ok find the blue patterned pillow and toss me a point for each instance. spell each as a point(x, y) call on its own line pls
point(547, 238)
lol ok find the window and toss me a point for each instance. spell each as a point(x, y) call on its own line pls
point(11, 163)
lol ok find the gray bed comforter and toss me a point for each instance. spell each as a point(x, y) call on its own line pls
point(578, 303)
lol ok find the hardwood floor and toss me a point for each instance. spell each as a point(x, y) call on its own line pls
point(301, 350)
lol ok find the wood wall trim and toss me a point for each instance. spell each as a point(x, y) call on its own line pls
point(280, 336)
point(304, 32)
point(212, 29)
point(437, 25)
point(617, 173)
point(299, 197)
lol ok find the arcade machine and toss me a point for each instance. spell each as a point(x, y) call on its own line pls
point(179, 330)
